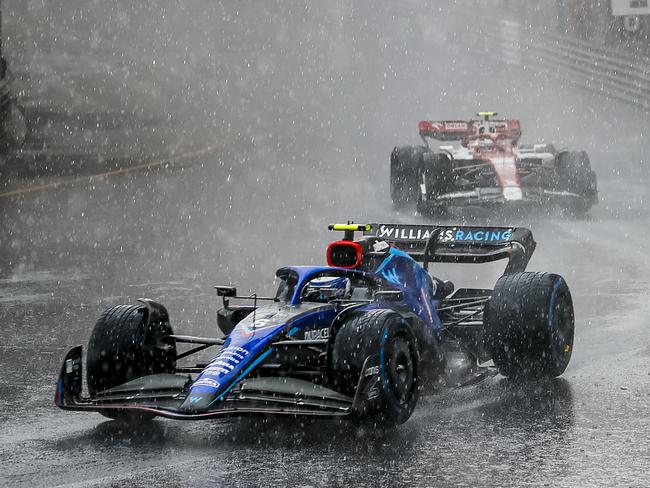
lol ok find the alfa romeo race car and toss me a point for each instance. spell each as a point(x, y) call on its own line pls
point(361, 337)
point(488, 166)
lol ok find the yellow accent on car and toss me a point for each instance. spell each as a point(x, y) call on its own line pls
point(352, 227)
point(567, 348)
point(487, 115)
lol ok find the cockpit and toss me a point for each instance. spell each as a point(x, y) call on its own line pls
point(326, 286)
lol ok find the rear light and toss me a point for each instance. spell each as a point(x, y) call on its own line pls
point(344, 254)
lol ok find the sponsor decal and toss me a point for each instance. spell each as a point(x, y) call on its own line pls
point(391, 275)
point(260, 323)
point(417, 233)
point(220, 365)
point(456, 125)
point(225, 362)
point(249, 327)
point(312, 335)
point(372, 370)
point(446, 236)
point(372, 393)
point(72, 365)
point(195, 399)
point(234, 353)
point(299, 398)
point(206, 381)
point(486, 235)
point(412, 233)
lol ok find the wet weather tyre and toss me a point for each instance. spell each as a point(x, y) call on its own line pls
point(436, 176)
point(126, 345)
point(529, 325)
point(405, 163)
point(386, 334)
point(574, 175)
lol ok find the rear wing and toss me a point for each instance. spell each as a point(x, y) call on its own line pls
point(458, 130)
point(459, 244)
point(445, 130)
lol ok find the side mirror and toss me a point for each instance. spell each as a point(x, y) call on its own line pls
point(226, 291)
point(389, 295)
point(228, 318)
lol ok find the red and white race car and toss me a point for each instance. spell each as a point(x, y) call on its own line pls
point(488, 166)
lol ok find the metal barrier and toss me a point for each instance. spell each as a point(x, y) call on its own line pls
point(610, 72)
point(12, 127)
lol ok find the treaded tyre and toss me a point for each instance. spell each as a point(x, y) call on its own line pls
point(529, 325)
point(574, 174)
point(405, 163)
point(126, 345)
point(386, 334)
point(437, 174)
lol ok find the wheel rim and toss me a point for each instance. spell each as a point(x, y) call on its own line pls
point(401, 369)
point(562, 327)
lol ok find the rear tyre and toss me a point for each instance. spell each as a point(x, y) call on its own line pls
point(405, 163)
point(529, 325)
point(125, 345)
point(574, 175)
point(386, 334)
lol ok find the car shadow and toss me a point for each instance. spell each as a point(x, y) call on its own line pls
point(544, 408)
point(531, 406)
point(237, 433)
point(544, 402)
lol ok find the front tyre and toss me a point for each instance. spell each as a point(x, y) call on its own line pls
point(128, 342)
point(436, 178)
point(574, 175)
point(386, 334)
point(529, 325)
point(405, 163)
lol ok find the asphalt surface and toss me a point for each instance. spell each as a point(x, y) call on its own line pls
point(263, 200)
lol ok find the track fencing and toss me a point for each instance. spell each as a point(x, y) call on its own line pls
point(609, 72)
point(12, 127)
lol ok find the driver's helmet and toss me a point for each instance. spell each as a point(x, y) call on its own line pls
point(327, 288)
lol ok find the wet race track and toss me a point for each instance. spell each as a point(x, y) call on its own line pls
point(263, 199)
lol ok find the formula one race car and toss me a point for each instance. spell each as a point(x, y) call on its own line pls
point(360, 338)
point(488, 167)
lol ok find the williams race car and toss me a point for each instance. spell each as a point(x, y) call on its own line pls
point(361, 337)
point(488, 167)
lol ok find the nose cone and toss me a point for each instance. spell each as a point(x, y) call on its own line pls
point(512, 193)
point(220, 375)
point(240, 354)
point(196, 403)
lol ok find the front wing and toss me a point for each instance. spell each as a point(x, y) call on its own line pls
point(163, 394)
point(487, 196)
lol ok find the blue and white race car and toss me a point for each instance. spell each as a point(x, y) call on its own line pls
point(361, 337)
